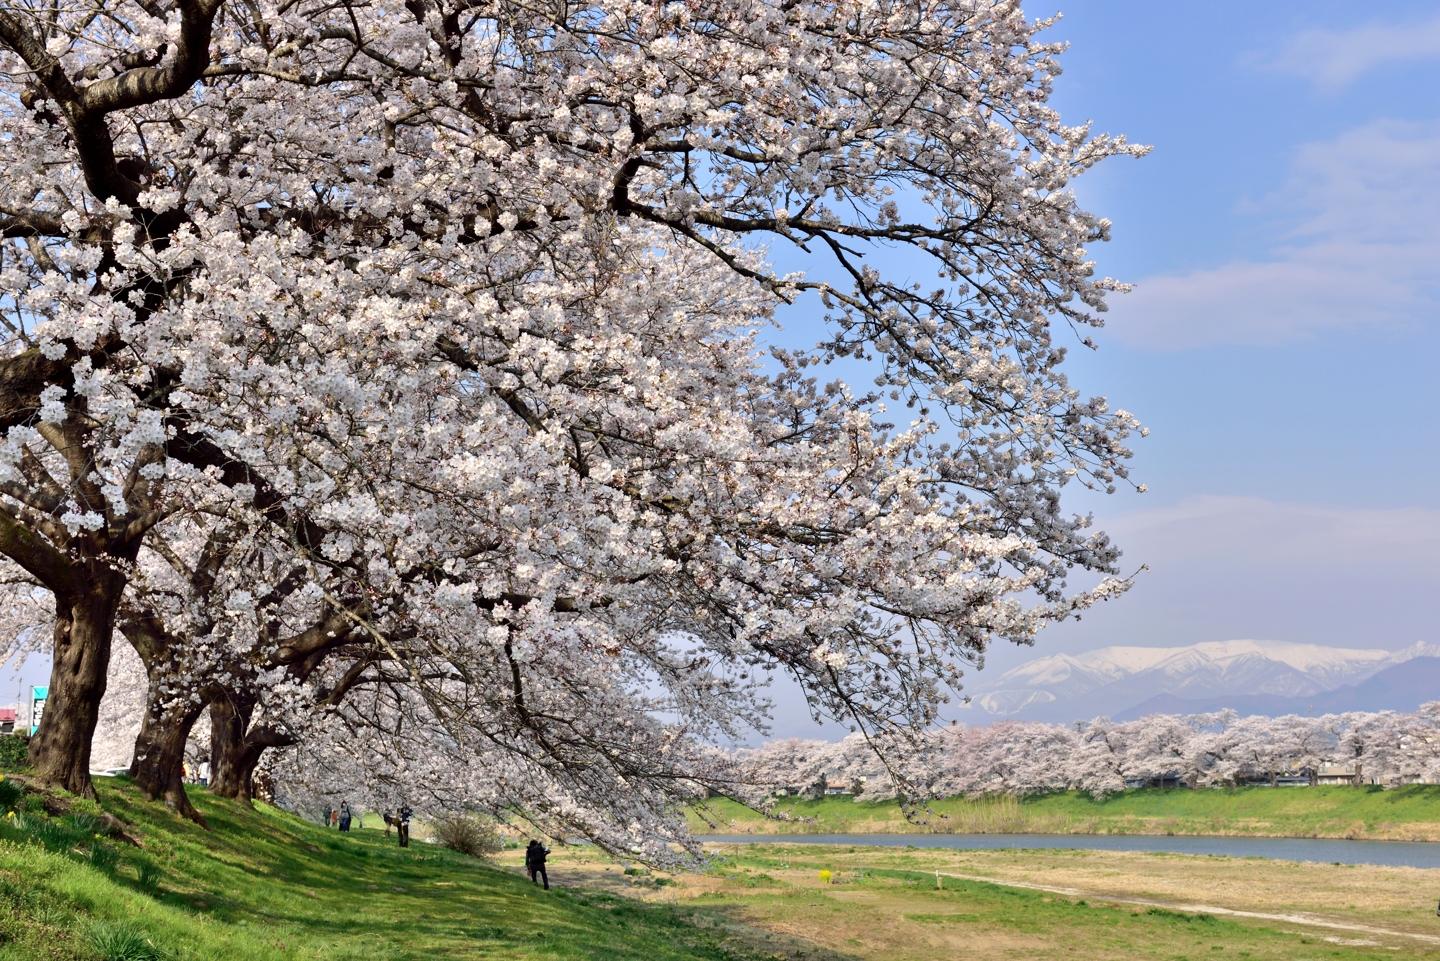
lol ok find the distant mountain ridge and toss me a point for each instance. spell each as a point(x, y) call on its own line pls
point(1273, 676)
point(1402, 687)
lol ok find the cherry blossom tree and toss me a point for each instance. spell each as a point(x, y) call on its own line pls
point(122, 710)
point(1264, 746)
point(216, 614)
point(26, 615)
point(1104, 756)
point(454, 299)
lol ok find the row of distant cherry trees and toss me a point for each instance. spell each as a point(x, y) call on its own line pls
point(1100, 756)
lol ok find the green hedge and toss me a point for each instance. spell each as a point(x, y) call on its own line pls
point(14, 750)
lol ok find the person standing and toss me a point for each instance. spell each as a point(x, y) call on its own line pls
point(345, 816)
point(390, 820)
point(404, 826)
point(535, 862)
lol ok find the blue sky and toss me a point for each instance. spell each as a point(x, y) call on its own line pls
point(1282, 339)
point(1284, 236)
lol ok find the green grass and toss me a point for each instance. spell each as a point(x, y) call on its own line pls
point(881, 908)
point(1408, 813)
point(262, 884)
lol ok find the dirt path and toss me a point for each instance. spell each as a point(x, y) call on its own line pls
point(1198, 908)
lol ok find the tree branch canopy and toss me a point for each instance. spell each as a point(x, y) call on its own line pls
point(412, 366)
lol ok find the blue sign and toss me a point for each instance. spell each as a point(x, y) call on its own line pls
point(38, 696)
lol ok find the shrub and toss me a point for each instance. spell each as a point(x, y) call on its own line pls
point(825, 877)
point(469, 834)
point(14, 752)
point(10, 792)
point(122, 942)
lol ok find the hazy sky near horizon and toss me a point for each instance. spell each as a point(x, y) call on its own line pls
point(1282, 338)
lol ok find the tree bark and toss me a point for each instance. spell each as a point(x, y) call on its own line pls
point(236, 746)
point(159, 764)
point(60, 750)
point(231, 770)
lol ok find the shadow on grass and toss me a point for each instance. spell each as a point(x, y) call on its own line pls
point(282, 881)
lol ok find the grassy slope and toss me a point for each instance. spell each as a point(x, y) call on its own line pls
point(263, 884)
point(1410, 813)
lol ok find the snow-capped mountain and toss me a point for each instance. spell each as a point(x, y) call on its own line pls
point(1111, 680)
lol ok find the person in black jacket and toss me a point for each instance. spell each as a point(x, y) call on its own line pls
point(535, 862)
point(404, 825)
point(345, 816)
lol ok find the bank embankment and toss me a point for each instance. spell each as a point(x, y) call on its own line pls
point(1409, 813)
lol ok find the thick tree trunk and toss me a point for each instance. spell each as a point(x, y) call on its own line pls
point(60, 750)
point(236, 746)
point(232, 769)
point(159, 765)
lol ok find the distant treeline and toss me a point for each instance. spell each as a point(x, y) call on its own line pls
point(1103, 756)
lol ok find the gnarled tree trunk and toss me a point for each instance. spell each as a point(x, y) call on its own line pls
point(231, 771)
point(236, 748)
point(60, 750)
point(159, 764)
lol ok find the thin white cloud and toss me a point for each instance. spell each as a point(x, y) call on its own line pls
point(1228, 567)
point(1334, 59)
point(1225, 534)
point(1355, 246)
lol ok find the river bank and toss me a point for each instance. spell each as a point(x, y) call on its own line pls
point(1409, 813)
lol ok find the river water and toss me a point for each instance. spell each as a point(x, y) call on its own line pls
point(1411, 854)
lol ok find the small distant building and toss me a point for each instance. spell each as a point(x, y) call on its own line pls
point(1164, 780)
point(7, 720)
point(1336, 774)
point(837, 787)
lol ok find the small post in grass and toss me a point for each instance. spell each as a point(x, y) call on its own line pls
point(939, 884)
